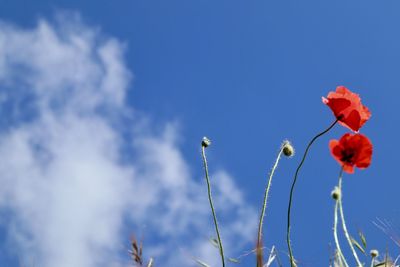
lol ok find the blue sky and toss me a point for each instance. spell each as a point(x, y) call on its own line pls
point(141, 82)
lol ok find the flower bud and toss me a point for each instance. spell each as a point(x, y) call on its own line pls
point(205, 142)
point(374, 253)
point(335, 193)
point(287, 149)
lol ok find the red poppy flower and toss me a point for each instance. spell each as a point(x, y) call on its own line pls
point(347, 108)
point(352, 150)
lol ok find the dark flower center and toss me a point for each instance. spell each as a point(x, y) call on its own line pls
point(347, 155)
point(340, 117)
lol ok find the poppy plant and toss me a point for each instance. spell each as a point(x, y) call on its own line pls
point(349, 112)
point(352, 150)
point(347, 108)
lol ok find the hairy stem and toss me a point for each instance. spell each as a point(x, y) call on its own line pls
point(261, 222)
point(339, 250)
point(221, 250)
point(346, 233)
point(292, 261)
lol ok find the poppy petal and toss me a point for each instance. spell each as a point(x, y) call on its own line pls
point(348, 168)
point(353, 120)
point(352, 150)
point(347, 107)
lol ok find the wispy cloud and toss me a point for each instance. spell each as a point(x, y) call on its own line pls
point(78, 166)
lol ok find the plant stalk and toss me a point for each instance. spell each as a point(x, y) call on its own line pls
point(221, 250)
point(346, 232)
point(261, 222)
point(339, 250)
point(292, 261)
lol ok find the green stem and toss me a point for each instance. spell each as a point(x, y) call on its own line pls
point(261, 222)
point(221, 250)
point(339, 250)
point(292, 261)
point(346, 233)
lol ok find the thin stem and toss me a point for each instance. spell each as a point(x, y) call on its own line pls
point(386, 257)
point(221, 250)
point(346, 233)
point(372, 262)
point(261, 222)
point(292, 262)
point(339, 250)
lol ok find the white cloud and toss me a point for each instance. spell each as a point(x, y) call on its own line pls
point(66, 178)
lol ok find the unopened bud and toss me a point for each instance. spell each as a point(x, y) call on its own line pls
point(287, 149)
point(205, 142)
point(335, 193)
point(374, 253)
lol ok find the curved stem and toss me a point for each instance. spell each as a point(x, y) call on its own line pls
point(221, 250)
point(346, 233)
point(339, 250)
point(292, 262)
point(261, 222)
